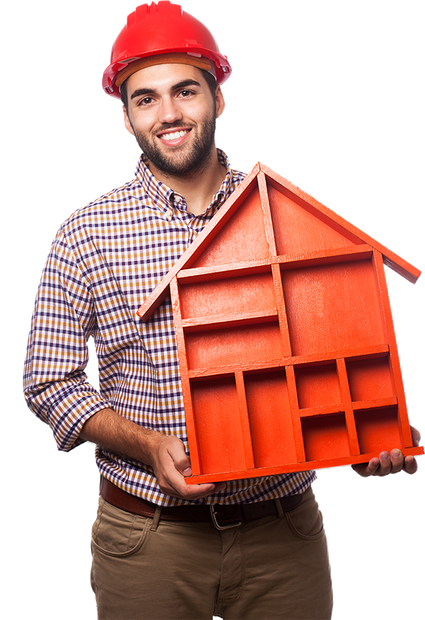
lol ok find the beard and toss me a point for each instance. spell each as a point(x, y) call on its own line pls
point(194, 161)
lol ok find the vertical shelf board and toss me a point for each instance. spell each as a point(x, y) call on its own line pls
point(295, 414)
point(184, 375)
point(281, 311)
point(394, 357)
point(244, 421)
point(353, 439)
point(267, 216)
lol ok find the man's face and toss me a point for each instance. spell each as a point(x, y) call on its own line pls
point(172, 114)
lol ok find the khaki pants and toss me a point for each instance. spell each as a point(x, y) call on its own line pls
point(275, 567)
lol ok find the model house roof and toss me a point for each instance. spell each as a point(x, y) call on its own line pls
point(310, 229)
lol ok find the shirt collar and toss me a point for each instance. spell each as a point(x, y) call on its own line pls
point(164, 197)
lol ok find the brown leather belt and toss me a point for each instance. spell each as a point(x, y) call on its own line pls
point(220, 514)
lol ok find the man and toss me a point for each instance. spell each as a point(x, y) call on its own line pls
point(158, 549)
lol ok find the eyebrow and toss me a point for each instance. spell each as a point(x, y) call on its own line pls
point(150, 91)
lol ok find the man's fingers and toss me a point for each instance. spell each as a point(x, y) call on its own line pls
point(410, 465)
point(196, 491)
point(177, 486)
point(177, 455)
point(372, 467)
point(173, 466)
point(416, 436)
point(396, 460)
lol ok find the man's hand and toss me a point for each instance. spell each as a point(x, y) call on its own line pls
point(164, 453)
point(390, 462)
point(171, 466)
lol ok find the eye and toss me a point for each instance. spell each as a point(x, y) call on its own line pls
point(186, 93)
point(145, 101)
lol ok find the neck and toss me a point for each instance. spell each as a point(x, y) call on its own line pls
point(197, 187)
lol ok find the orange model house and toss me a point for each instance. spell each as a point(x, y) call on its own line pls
point(286, 344)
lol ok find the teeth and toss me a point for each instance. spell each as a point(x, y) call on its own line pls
point(174, 135)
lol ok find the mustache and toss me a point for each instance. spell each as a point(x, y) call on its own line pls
point(175, 125)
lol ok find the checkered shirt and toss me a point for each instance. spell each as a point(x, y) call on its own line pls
point(104, 262)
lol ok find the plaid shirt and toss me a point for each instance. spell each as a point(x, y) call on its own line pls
point(104, 262)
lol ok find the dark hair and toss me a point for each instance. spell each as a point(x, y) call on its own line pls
point(209, 78)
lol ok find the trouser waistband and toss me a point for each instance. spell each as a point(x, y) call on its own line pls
point(220, 514)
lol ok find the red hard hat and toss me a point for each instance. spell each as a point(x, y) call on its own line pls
point(162, 28)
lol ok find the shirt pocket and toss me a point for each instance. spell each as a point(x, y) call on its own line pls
point(118, 533)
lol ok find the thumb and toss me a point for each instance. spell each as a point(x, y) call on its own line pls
point(179, 457)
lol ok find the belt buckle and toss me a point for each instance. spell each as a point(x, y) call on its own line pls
point(216, 523)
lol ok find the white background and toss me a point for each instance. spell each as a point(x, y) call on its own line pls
point(92, 367)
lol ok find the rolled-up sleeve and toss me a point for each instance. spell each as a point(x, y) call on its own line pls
point(55, 384)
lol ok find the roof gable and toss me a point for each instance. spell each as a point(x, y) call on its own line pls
point(269, 219)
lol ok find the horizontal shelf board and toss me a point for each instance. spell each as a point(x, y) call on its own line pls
point(324, 257)
point(378, 403)
point(301, 360)
point(310, 412)
point(231, 270)
point(294, 467)
point(229, 320)
point(374, 404)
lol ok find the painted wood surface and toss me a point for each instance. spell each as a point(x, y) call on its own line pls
point(286, 344)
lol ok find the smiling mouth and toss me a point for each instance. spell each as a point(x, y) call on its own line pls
point(174, 137)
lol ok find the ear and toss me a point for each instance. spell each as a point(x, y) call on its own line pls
point(127, 122)
point(219, 100)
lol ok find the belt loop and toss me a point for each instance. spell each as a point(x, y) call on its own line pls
point(279, 508)
point(156, 518)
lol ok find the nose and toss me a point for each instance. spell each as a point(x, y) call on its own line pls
point(169, 110)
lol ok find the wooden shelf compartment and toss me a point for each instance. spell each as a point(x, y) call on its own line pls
point(332, 307)
point(286, 415)
point(241, 294)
